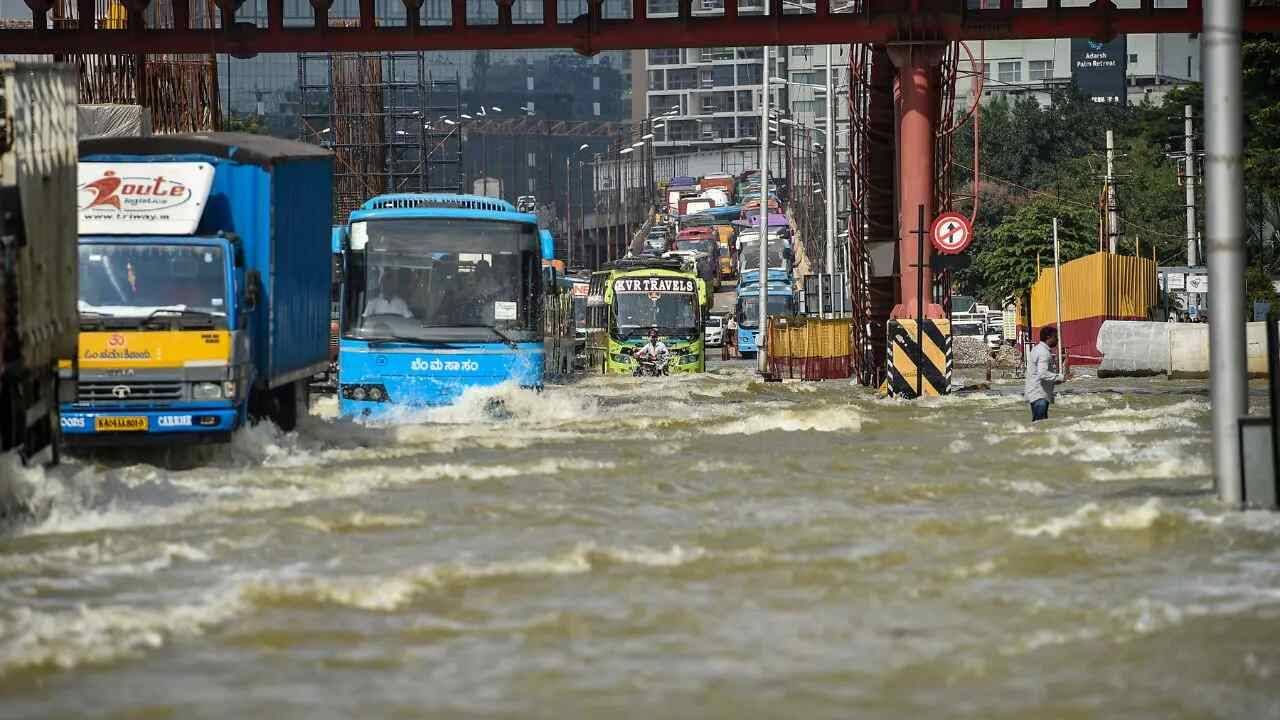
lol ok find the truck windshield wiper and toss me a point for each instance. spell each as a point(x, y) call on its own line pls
point(506, 339)
point(185, 312)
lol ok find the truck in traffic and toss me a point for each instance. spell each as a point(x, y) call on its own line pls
point(633, 295)
point(38, 320)
point(205, 283)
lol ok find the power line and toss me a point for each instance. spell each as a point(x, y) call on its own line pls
point(1058, 198)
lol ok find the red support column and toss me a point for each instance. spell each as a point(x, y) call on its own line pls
point(918, 95)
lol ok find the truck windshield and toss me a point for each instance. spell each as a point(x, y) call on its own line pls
point(749, 309)
point(701, 245)
point(435, 279)
point(671, 313)
point(139, 281)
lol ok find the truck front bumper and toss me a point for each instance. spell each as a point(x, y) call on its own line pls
point(127, 426)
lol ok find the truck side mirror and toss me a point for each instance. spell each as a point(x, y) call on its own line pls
point(252, 289)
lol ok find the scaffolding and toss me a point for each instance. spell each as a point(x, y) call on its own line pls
point(179, 90)
point(383, 115)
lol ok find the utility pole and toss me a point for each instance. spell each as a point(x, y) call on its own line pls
point(1189, 179)
point(1113, 212)
point(1189, 183)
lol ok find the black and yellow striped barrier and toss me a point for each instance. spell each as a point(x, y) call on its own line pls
point(934, 359)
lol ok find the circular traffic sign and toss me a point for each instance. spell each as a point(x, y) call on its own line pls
point(951, 233)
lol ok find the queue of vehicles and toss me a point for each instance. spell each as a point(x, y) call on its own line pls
point(204, 288)
point(714, 221)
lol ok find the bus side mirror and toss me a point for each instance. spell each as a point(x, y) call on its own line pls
point(548, 245)
point(252, 289)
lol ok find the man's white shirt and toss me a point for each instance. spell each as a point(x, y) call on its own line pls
point(383, 306)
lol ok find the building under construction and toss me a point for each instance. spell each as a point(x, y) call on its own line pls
point(391, 123)
point(180, 92)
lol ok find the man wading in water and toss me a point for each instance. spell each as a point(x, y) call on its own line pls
point(1042, 374)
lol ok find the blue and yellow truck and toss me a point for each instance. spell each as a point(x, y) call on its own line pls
point(205, 285)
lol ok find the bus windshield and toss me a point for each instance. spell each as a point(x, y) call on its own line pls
point(749, 255)
point(671, 313)
point(123, 280)
point(749, 309)
point(439, 279)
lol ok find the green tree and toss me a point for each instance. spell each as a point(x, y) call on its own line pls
point(1024, 240)
point(1259, 288)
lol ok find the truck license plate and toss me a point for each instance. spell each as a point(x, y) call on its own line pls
point(119, 423)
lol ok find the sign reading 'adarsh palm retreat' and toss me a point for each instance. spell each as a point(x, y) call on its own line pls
point(1098, 69)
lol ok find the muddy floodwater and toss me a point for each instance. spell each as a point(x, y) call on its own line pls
point(687, 547)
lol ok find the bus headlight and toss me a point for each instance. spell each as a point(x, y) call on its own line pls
point(359, 393)
point(206, 391)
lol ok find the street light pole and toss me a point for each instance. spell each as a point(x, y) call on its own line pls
point(829, 192)
point(762, 332)
point(568, 212)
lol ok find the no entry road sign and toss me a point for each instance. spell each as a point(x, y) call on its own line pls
point(951, 233)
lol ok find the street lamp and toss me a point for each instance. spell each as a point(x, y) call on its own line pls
point(568, 204)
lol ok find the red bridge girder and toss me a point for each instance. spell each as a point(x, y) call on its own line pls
point(870, 21)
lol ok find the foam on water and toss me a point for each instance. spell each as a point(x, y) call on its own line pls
point(826, 419)
point(396, 592)
point(65, 639)
point(1138, 517)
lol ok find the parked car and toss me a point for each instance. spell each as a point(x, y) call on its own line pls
point(713, 331)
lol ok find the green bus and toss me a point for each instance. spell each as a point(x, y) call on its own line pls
point(630, 296)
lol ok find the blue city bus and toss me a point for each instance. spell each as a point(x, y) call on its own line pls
point(781, 301)
point(442, 293)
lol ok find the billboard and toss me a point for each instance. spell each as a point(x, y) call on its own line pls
point(1098, 69)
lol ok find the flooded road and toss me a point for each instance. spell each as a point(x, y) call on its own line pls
point(710, 547)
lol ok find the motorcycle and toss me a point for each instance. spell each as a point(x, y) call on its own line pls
point(650, 368)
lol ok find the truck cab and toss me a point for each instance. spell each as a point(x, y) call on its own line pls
point(160, 321)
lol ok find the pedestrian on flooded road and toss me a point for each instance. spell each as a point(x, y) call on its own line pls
point(731, 338)
point(1042, 374)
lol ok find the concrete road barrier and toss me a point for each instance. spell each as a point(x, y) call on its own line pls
point(1189, 350)
point(1133, 349)
point(1179, 350)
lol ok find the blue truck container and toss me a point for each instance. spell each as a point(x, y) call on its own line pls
point(261, 339)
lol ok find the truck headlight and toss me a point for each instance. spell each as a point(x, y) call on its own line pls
point(206, 391)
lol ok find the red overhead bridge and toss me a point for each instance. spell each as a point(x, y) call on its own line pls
point(820, 21)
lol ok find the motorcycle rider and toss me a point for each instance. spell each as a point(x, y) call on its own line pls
point(654, 350)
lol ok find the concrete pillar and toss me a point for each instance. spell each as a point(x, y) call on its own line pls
point(918, 95)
